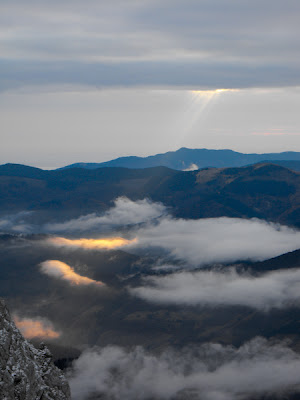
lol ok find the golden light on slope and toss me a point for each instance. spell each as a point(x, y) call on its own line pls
point(35, 328)
point(64, 271)
point(104, 243)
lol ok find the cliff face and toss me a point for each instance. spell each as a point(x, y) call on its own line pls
point(27, 373)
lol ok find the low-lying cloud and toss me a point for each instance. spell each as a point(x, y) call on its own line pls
point(32, 328)
point(276, 289)
point(207, 372)
point(218, 240)
point(192, 167)
point(16, 222)
point(61, 270)
point(196, 242)
point(125, 212)
point(148, 225)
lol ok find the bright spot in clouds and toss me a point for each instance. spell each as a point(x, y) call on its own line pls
point(63, 271)
point(35, 328)
point(212, 92)
point(105, 243)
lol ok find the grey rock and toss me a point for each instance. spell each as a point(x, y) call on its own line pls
point(27, 373)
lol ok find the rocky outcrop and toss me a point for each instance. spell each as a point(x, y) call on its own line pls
point(27, 373)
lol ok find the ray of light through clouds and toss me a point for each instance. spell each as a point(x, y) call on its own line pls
point(61, 270)
point(140, 78)
point(95, 80)
point(196, 110)
point(141, 122)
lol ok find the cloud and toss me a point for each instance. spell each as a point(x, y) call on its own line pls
point(204, 75)
point(16, 222)
point(195, 242)
point(61, 270)
point(212, 288)
point(124, 212)
point(151, 43)
point(36, 328)
point(218, 240)
point(192, 167)
point(209, 372)
point(148, 226)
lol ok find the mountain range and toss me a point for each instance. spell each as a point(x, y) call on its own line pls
point(264, 191)
point(113, 313)
point(185, 159)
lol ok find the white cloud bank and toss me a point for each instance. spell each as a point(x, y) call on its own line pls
point(207, 372)
point(218, 240)
point(16, 222)
point(277, 289)
point(124, 212)
point(196, 242)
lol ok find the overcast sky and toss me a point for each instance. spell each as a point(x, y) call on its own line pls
point(93, 80)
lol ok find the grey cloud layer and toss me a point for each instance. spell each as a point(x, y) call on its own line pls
point(203, 44)
point(124, 212)
point(214, 240)
point(209, 372)
point(122, 29)
point(16, 222)
point(188, 74)
point(272, 290)
point(195, 242)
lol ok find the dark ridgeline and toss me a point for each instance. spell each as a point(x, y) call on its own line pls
point(265, 191)
point(184, 158)
point(113, 316)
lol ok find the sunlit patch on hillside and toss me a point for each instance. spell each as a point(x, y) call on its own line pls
point(61, 270)
point(35, 328)
point(104, 243)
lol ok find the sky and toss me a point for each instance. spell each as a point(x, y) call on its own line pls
point(94, 80)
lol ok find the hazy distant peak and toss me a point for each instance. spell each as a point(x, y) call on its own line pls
point(184, 158)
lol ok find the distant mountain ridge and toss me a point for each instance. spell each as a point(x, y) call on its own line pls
point(265, 191)
point(185, 159)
